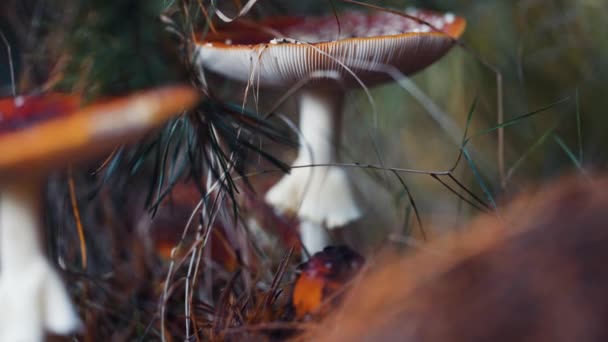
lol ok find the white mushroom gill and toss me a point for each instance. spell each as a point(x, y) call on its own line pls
point(32, 297)
point(322, 196)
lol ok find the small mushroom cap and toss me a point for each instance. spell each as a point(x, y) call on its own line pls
point(283, 51)
point(23, 111)
point(321, 277)
point(59, 137)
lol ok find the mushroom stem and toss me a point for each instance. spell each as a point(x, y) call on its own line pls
point(32, 296)
point(19, 222)
point(314, 236)
point(321, 195)
point(320, 126)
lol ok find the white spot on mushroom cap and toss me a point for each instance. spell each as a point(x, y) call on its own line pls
point(449, 18)
point(411, 11)
point(19, 101)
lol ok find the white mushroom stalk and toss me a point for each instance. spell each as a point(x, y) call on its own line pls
point(322, 196)
point(32, 296)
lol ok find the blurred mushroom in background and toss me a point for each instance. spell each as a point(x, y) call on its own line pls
point(38, 134)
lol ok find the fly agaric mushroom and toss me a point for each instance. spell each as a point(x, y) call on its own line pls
point(334, 54)
point(37, 134)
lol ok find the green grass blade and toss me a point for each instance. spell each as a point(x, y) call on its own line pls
point(568, 152)
point(516, 165)
point(478, 177)
point(518, 119)
point(578, 128)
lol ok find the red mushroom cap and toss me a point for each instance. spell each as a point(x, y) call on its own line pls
point(22, 111)
point(366, 43)
point(41, 132)
point(322, 276)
